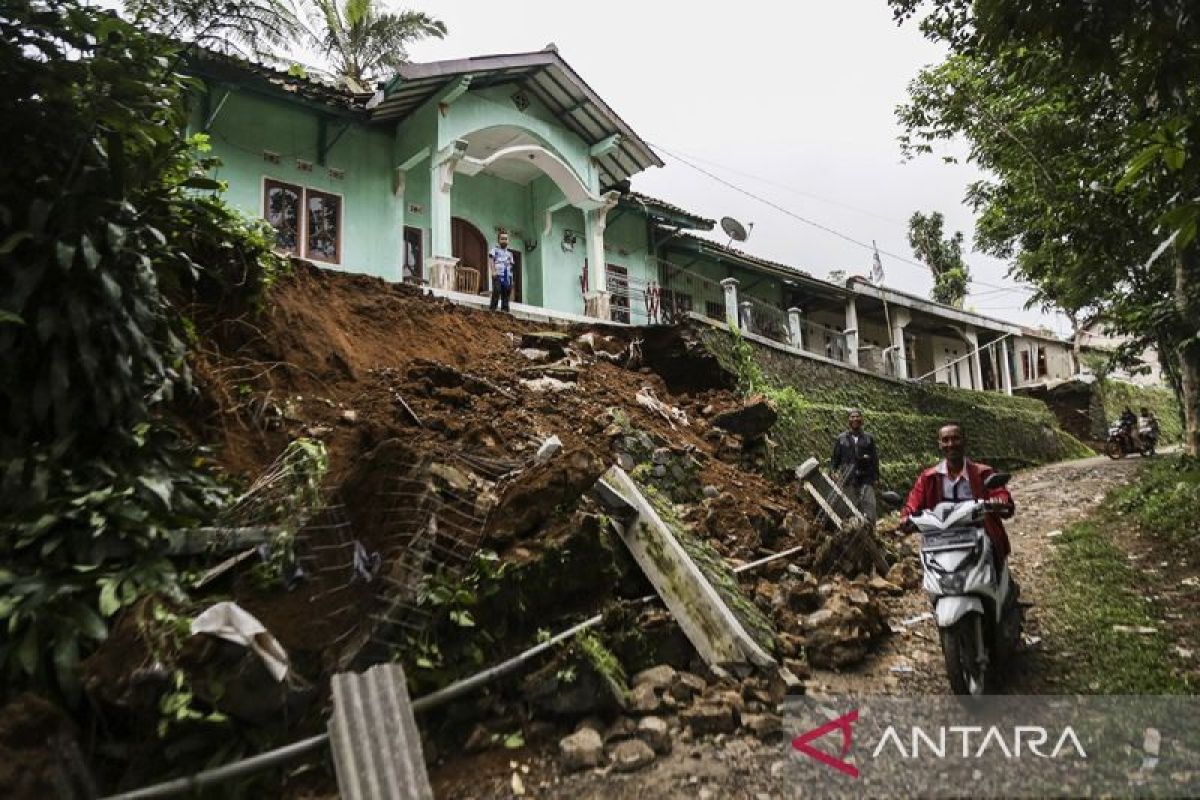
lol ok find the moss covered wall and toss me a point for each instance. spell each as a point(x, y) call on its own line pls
point(813, 398)
point(1110, 397)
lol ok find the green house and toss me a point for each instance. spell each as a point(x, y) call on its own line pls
point(415, 181)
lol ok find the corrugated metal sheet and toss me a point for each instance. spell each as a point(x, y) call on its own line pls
point(374, 737)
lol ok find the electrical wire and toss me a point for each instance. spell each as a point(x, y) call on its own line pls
point(825, 228)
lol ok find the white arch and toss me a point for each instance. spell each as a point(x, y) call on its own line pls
point(565, 178)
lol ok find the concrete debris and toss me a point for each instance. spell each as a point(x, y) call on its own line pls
point(547, 385)
point(535, 354)
point(554, 342)
point(631, 755)
point(583, 749)
point(654, 732)
point(547, 450)
point(709, 718)
point(754, 418)
point(674, 416)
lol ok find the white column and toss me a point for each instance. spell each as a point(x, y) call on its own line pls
point(731, 302)
point(795, 328)
point(595, 221)
point(852, 331)
point(900, 320)
point(972, 337)
point(441, 180)
point(1005, 367)
point(746, 318)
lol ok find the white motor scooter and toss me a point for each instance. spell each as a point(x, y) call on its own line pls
point(977, 611)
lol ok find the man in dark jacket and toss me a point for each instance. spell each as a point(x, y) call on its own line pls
point(856, 463)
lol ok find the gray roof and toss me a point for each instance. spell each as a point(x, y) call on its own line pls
point(546, 76)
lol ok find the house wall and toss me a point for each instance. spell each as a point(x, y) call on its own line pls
point(249, 123)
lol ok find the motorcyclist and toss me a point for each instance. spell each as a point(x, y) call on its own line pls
point(955, 479)
point(1128, 425)
point(1148, 424)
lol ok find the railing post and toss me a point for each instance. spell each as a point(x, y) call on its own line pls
point(746, 316)
point(731, 303)
point(794, 328)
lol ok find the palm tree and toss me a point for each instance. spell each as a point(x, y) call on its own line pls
point(255, 29)
point(365, 42)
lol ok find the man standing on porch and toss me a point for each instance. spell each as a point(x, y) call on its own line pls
point(500, 268)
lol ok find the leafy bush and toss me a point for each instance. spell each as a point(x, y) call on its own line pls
point(1165, 500)
point(104, 212)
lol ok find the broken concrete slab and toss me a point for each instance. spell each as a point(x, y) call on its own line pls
point(706, 620)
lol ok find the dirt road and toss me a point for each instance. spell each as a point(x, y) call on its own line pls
point(907, 662)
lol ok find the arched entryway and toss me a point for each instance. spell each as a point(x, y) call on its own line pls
point(470, 247)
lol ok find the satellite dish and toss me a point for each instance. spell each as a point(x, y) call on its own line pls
point(737, 232)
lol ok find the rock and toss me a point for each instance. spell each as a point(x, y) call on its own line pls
point(349, 416)
point(530, 501)
point(905, 573)
point(763, 726)
point(621, 729)
point(548, 450)
point(631, 755)
point(625, 461)
point(593, 722)
point(535, 354)
point(711, 491)
point(753, 419)
point(643, 699)
point(685, 686)
point(546, 385)
point(581, 750)
point(654, 732)
point(709, 717)
point(884, 586)
point(657, 677)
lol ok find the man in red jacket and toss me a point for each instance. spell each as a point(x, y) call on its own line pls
point(958, 478)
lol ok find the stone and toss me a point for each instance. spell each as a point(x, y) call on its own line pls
point(621, 729)
point(581, 750)
point(631, 755)
point(349, 416)
point(709, 717)
point(764, 726)
point(884, 586)
point(711, 491)
point(654, 732)
point(754, 418)
point(555, 342)
point(626, 462)
point(685, 686)
point(535, 354)
point(644, 699)
point(657, 677)
point(905, 574)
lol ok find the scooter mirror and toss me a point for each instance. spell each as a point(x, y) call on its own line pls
point(996, 480)
point(891, 498)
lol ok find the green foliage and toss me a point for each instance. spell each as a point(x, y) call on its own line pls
point(1164, 500)
point(1083, 116)
point(364, 41)
point(943, 255)
point(812, 399)
point(104, 209)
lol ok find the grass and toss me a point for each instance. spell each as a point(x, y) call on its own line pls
point(1164, 501)
point(1096, 588)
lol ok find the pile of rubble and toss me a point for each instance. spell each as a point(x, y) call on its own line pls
point(666, 704)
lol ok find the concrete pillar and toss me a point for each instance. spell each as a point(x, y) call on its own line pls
point(972, 337)
point(795, 329)
point(851, 332)
point(900, 320)
point(746, 315)
point(595, 221)
point(441, 261)
point(1005, 367)
point(731, 302)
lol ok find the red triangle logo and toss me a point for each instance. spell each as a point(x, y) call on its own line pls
point(843, 724)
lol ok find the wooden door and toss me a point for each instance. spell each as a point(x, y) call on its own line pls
point(470, 248)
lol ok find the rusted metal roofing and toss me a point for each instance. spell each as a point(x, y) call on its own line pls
point(547, 77)
point(653, 204)
point(374, 738)
point(210, 64)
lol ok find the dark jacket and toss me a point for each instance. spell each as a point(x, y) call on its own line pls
point(861, 461)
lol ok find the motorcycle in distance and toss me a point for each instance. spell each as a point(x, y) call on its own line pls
point(978, 616)
point(1120, 442)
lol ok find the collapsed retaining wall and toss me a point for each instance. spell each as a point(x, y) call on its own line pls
point(813, 397)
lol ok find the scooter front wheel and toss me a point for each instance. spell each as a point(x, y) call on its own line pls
point(1114, 450)
point(963, 666)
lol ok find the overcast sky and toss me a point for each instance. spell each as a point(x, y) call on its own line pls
point(791, 101)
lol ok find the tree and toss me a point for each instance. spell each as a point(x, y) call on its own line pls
point(943, 256)
point(364, 42)
point(1084, 116)
point(256, 29)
